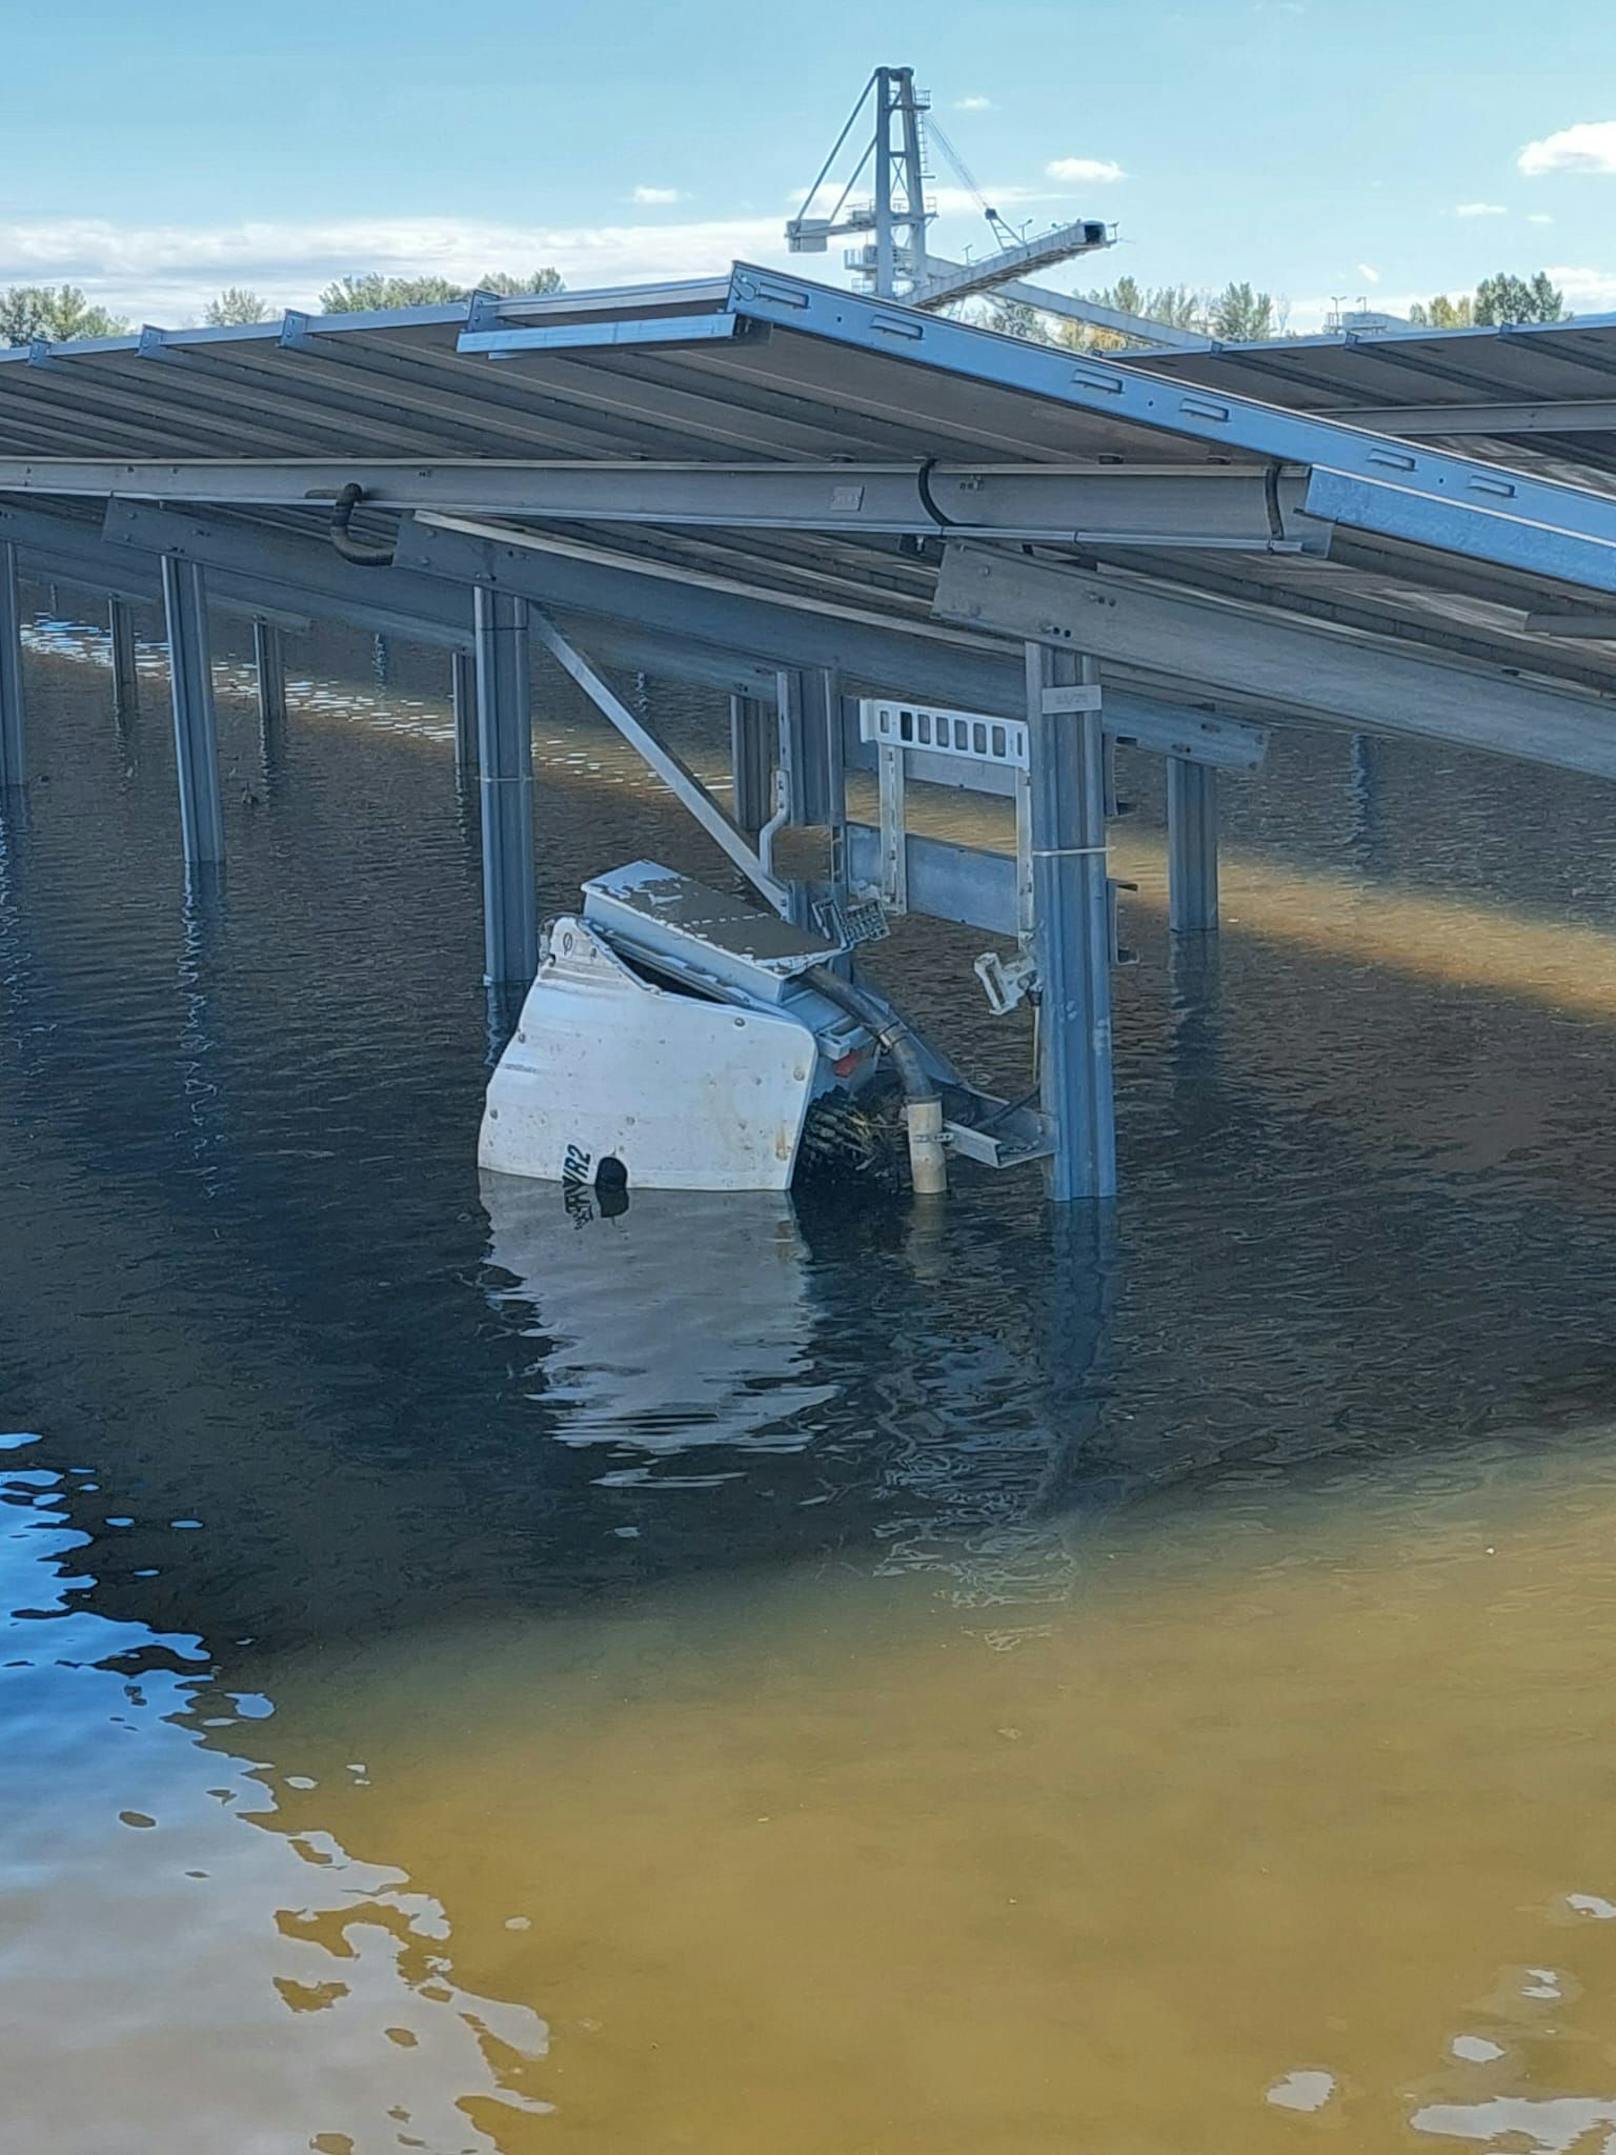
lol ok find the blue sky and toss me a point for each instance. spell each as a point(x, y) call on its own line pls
point(1323, 148)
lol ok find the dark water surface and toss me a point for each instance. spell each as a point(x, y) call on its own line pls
point(821, 1679)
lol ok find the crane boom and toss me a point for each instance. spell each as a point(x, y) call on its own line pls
point(895, 262)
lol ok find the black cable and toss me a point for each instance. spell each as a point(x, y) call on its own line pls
point(1276, 518)
point(358, 551)
point(928, 499)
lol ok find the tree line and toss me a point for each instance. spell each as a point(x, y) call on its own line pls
point(1240, 314)
point(57, 313)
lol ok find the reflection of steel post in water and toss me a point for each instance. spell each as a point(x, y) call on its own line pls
point(13, 756)
point(1079, 1299)
point(676, 1319)
point(19, 970)
point(202, 917)
point(1365, 788)
point(1195, 1042)
point(125, 667)
point(269, 668)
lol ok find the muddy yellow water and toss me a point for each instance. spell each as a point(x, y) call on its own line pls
point(1292, 1817)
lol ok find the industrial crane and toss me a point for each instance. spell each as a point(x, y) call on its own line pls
point(894, 262)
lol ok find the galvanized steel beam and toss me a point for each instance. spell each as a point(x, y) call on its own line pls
point(463, 701)
point(125, 665)
point(1232, 506)
point(1071, 920)
point(269, 668)
point(686, 788)
point(505, 772)
point(1223, 507)
point(1192, 847)
point(1339, 676)
point(750, 721)
point(1458, 487)
point(977, 889)
point(872, 651)
point(810, 718)
point(425, 609)
point(196, 743)
point(1570, 415)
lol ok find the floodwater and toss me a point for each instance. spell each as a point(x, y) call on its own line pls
point(835, 1680)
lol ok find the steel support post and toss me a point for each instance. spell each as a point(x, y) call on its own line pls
point(810, 743)
point(125, 668)
point(463, 697)
point(1072, 924)
point(269, 663)
point(749, 724)
point(12, 753)
point(1192, 847)
point(196, 739)
point(505, 767)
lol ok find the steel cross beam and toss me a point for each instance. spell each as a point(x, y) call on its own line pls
point(686, 788)
point(873, 653)
point(1215, 507)
point(1573, 415)
point(1465, 507)
point(1239, 650)
point(395, 602)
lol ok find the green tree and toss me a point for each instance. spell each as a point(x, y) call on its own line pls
point(370, 291)
point(235, 305)
point(1178, 306)
point(1518, 299)
point(1014, 318)
point(505, 286)
point(1443, 312)
point(1240, 315)
point(56, 312)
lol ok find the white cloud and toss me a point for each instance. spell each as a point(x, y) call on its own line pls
point(1085, 171)
point(1585, 289)
point(1480, 209)
point(166, 273)
point(1540, 217)
point(1369, 273)
point(975, 103)
point(1590, 146)
point(655, 197)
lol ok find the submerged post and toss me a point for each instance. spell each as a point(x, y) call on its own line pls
point(463, 696)
point(1192, 847)
point(196, 739)
point(269, 663)
point(125, 669)
point(12, 764)
point(1071, 919)
point(505, 764)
